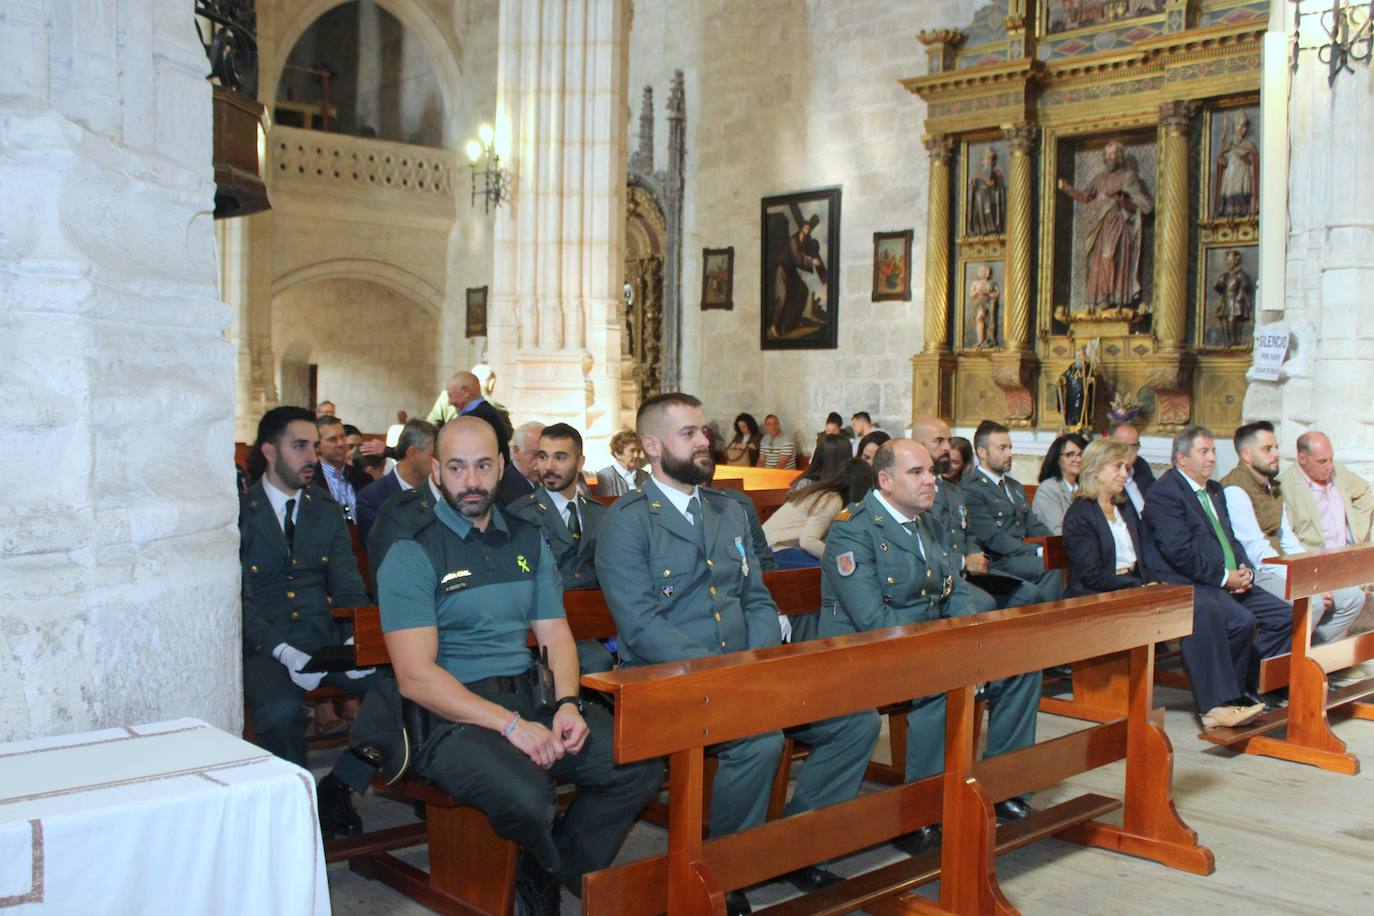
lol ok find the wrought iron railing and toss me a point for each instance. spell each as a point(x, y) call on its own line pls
point(228, 31)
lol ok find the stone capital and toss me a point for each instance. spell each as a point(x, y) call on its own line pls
point(939, 146)
point(1176, 116)
point(1021, 137)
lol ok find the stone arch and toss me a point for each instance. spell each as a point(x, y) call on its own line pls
point(396, 279)
point(446, 59)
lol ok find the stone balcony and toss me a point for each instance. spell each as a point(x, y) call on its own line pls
point(309, 168)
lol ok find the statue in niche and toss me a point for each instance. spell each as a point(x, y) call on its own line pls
point(988, 198)
point(629, 293)
point(983, 295)
point(1076, 389)
point(1237, 290)
point(1237, 176)
point(1116, 202)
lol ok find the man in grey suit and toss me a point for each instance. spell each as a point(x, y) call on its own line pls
point(624, 474)
point(680, 574)
point(1001, 518)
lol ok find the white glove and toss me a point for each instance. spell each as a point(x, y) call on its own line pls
point(294, 659)
point(357, 673)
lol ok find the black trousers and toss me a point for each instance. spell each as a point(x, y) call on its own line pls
point(1230, 634)
point(482, 769)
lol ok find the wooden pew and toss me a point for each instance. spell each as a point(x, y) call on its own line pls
point(1309, 738)
point(472, 870)
point(675, 710)
point(766, 501)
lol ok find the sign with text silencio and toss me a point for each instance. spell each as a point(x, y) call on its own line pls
point(1271, 346)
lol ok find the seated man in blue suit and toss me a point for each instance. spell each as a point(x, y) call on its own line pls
point(1187, 540)
point(414, 462)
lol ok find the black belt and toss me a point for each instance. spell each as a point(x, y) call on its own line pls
point(502, 683)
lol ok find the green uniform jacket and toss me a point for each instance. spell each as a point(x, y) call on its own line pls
point(399, 513)
point(949, 517)
point(872, 576)
point(670, 600)
point(576, 558)
point(287, 596)
point(1002, 524)
point(761, 548)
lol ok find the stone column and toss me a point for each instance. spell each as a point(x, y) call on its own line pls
point(1016, 329)
point(559, 244)
point(245, 255)
point(119, 580)
point(932, 386)
point(1171, 250)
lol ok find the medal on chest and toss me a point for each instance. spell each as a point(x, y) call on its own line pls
point(743, 557)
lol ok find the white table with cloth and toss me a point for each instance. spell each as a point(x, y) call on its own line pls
point(173, 817)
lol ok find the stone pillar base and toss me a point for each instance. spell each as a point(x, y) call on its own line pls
point(1168, 375)
point(1014, 374)
point(932, 385)
point(552, 386)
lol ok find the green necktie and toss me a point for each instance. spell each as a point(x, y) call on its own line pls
point(1226, 550)
point(574, 523)
point(911, 529)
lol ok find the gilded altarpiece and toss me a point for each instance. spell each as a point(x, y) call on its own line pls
point(1094, 191)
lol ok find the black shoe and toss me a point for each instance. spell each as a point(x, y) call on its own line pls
point(736, 904)
point(537, 891)
point(918, 841)
point(1270, 701)
point(338, 817)
point(811, 878)
point(1013, 809)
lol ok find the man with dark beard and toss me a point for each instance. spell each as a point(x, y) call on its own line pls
point(679, 571)
point(297, 562)
point(458, 594)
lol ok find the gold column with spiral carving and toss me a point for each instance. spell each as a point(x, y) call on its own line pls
point(1171, 276)
point(1016, 327)
point(932, 374)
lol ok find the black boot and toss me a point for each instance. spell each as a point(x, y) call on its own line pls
point(537, 891)
point(338, 817)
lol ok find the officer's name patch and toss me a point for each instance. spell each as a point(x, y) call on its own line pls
point(845, 563)
point(456, 574)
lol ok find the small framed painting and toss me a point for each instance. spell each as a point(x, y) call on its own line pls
point(892, 266)
point(717, 278)
point(477, 312)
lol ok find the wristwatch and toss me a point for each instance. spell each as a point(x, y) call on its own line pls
point(575, 701)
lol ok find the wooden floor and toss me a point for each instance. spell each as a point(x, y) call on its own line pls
point(1288, 839)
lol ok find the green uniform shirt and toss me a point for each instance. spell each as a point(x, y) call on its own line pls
point(494, 583)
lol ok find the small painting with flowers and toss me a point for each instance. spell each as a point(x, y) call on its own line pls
point(892, 266)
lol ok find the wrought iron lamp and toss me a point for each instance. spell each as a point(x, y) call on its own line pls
point(1349, 31)
point(489, 180)
point(227, 30)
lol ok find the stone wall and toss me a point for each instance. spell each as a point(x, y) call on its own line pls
point(782, 96)
point(342, 326)
point(118, 543)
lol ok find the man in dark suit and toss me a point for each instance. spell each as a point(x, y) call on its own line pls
point(1141, 477)
point(465, 398)
point(333, 473)
point(1001, 518)
point(1187, 540)
point(297, 564)
point(414, 463)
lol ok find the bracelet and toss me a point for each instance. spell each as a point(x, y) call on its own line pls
point(510, 726)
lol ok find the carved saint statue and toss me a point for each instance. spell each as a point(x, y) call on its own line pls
point(1115, 202)
point(987, 211)
point(1237, 291)
point(1237, 176)
point(983, 295)
point(1076, 389)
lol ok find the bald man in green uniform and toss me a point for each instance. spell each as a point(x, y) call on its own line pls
point(678, 568)
point(884, 566)
point(458, 595)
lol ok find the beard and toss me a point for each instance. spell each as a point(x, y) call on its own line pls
point(692, 471)
point(1265, 471)
point(555, 483)
point(294, 479)
point(468, 510)
point(942, 465)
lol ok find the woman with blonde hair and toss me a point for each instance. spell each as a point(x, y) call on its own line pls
point(1101, 527)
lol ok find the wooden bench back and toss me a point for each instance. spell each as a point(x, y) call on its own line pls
point(1321, 571)
point(796, 591)
point(1053, 554)
point(664, 709)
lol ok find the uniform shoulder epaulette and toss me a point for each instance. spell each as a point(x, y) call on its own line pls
point(845, 514)
point(628, 499)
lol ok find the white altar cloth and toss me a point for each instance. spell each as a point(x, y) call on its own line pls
point(173, 817)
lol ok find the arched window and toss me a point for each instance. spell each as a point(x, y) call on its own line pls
point(358, 70)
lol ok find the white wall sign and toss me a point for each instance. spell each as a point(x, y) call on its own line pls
point(1270, 349)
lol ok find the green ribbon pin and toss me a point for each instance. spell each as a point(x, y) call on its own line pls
point(522, 563)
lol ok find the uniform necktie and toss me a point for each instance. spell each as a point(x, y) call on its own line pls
point(288, 526)
point(574, 524)
point(911, 529)
point(1227, 553)
point(694, 510)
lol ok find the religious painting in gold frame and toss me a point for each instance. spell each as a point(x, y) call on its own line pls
point(718, 278)
point(982, 285)
point(1227, 296)
point(1058, 17)
point(1231, 156)
point(476, 311)
point(983, 189)
point(892, 266)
